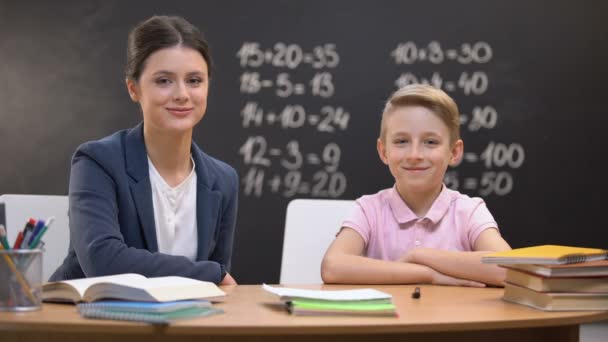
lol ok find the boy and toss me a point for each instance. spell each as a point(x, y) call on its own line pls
point(419, 231)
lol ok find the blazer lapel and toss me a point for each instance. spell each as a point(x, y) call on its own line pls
point(208, 207)
point(208, 204)
point(141, 190)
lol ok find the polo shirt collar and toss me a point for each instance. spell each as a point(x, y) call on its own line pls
point(403, 213)
point(441, 205)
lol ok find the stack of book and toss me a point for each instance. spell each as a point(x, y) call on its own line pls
point(134, 297)
point(359, 302)
point(555, 278)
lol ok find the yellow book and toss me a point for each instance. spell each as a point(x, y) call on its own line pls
point(545, 255)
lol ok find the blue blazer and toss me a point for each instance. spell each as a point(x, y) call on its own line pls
point(111, 213)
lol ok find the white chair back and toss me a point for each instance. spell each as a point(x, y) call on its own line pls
point(19, 208)
point(310, 227)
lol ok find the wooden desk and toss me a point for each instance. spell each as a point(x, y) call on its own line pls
point(441, 314)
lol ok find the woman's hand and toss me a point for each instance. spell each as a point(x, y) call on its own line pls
point(228, 280)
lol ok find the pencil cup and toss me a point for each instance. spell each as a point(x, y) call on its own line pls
point(20, 279)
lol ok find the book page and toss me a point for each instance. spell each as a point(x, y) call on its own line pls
point(160, 289)
point(342, 295)
point(81, 285)
point(179, 288)
point(165, 282)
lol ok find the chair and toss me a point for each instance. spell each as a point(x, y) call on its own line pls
point(19, 208)
point(310, 227)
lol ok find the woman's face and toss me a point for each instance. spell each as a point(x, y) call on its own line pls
point(172, 89)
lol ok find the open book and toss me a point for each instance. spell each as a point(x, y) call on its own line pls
point(545, 255)
point(129, 286)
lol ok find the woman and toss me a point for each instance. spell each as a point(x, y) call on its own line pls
point(148, 200)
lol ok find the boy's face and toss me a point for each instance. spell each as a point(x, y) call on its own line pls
point(417, 150)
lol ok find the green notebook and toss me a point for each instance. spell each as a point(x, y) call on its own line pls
point(359, 302)
point(162, 316)
point(322, 307)
point(145, 307)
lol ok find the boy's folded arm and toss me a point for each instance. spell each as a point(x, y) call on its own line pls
point(344, 263)
point(355, 269)
point(465, 265)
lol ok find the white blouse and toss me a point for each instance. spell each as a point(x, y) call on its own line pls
point(175, 214)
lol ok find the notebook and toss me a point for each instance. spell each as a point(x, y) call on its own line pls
point(129, 286)
point(597, 268)
point(286, 294)
point(154, 313)
point(145, 307)
point(310, 307)
point(545, 254)
point(357, 302)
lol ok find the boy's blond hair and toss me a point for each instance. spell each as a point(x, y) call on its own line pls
point(436, 100)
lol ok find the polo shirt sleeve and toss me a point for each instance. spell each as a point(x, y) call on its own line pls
point(359, 220)
point(479, 220)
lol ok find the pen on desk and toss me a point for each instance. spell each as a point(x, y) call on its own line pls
point(416, 294)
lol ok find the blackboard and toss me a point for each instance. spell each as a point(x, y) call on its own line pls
point(297, 93)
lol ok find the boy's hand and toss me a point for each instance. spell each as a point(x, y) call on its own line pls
point(407, 257)
point(411, 255)
point(438, 278)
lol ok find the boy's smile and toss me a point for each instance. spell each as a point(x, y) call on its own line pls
point(417, 150)
point(415, 169)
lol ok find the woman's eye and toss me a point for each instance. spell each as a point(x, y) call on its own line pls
point(162, 81)
point(195, 81)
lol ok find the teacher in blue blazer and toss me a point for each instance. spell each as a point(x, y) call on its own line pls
point(148, 200)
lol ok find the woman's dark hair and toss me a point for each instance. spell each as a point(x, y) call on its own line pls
point(160, 32)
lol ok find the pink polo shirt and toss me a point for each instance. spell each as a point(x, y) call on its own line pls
point(390, 228)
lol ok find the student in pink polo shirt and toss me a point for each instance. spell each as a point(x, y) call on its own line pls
point(418, 231)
